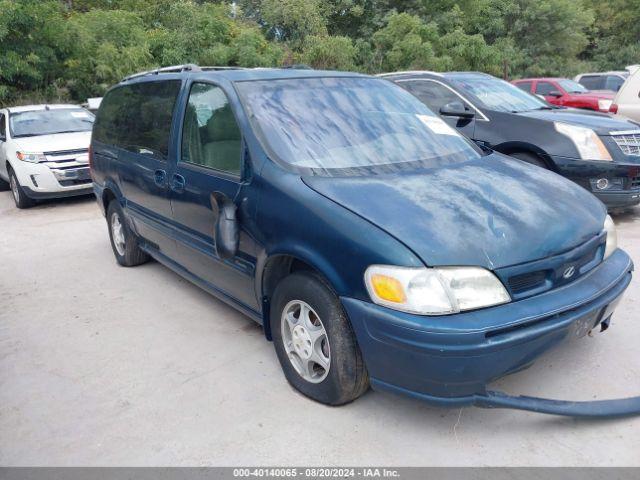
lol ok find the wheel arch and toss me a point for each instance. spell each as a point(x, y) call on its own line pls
point(509, 148)
point(271, 269)
point(110, 192)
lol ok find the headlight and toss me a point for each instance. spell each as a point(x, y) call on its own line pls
point(612, 236)
point(604, 105)
point(434, 291)
point(31, 157)
point(589, 145)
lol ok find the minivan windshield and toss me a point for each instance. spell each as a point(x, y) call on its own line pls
point(496, 94)
point(328, 124)
point(49, 122)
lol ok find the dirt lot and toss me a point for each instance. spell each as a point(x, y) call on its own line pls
point(102, 365)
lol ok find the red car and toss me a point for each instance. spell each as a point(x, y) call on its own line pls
point(566, 93)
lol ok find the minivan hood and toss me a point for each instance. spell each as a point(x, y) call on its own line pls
point(491, 212)
point(54, 143)
point(602, 123)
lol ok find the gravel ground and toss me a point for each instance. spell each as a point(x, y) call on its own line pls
point(103, 365)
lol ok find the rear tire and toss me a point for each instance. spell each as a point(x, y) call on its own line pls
point(123, 241)
point(317, 349)
point(530, 158)
point(21, 198)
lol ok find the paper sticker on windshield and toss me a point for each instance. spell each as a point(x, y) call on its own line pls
point(437, 125)
point(79, 114)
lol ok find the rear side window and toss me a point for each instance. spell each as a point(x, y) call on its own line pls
point(432, 94)
point(544, 88)
point(613, 82)
point(526, 86)
point(211, 137)
point(138, 117)
point(592, 82)
point(3, 126)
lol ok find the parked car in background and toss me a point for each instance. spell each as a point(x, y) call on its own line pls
point(587, 147)
point(611, 81)
point(627, 101)
point(566, 93)
point(44, 152)
point(373, 242)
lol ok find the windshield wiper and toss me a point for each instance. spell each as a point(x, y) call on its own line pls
point(544, 107)
point(66, 131)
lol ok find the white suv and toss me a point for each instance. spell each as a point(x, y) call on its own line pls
point(44, 152)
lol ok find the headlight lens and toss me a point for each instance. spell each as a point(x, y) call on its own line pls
point(604, 105)
point(612, 236)
point(589, 145)
point(434, 291)
point(31, 157)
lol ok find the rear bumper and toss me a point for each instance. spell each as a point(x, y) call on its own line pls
point(449, 360)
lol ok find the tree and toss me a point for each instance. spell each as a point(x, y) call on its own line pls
point(34, 44)
point(108, 45)
point(329, 53)
point(293, 20)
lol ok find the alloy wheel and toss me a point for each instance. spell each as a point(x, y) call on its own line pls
point(305, 341)
point(117, 233)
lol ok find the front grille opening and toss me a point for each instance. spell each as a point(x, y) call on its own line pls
point(70, 183)
point(527, 281)
point(629, 143)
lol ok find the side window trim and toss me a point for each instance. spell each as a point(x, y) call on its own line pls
point(482, 117)
point(202, 168)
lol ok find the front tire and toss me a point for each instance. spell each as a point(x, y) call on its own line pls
point(314, 341)
point(123, 241)
point(21, 198)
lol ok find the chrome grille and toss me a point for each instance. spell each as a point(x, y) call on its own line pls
point(629, 142)
point(70, 167)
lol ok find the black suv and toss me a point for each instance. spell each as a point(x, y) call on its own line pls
point(596, 151)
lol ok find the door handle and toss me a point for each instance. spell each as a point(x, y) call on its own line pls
point(160, 178)
point(177, 183)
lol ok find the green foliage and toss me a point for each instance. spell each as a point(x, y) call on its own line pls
point(293, 20)
point(329, 53)
point(73, 49)
point(108, 45)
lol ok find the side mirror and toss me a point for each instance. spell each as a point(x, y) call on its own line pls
point(456, 109)
point(227, 229)
point(554, 93)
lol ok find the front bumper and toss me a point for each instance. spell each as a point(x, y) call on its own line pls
point(449, 360)
point(584, 172)
point(42, 181)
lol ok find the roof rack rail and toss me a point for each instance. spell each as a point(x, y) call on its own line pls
point(187, 67)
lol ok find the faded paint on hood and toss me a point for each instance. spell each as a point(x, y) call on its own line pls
point(491, 212)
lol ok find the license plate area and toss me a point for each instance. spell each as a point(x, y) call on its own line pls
point(586, 323)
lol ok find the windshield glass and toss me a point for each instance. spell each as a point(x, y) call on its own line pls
point(499, 95)
point(328, 124)
point(572, 87)
point(49, 122)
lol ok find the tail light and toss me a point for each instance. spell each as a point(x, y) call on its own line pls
point(613, 108)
